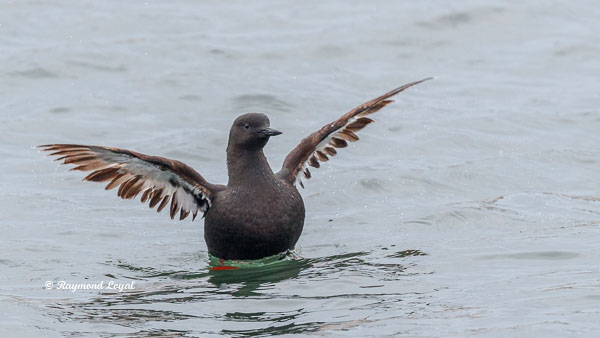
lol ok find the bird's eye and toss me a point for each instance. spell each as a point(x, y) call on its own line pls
point(246, 126)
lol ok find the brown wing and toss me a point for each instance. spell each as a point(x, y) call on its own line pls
point(158, 179)
point(320, 145)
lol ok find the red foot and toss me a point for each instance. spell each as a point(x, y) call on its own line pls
point(223, 268)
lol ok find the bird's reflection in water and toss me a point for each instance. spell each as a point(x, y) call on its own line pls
point(253, 278)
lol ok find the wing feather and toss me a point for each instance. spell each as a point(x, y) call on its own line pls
point(158, 179)
point(322, 144)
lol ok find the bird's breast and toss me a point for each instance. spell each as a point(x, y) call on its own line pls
point(249, 221)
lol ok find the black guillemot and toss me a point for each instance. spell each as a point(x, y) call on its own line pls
point(258, 213)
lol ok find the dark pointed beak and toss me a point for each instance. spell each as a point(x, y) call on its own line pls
point(270, 132)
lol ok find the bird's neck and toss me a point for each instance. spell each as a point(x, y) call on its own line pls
point(247, 167)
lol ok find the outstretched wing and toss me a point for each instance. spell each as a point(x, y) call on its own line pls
point(321, 145)
point(158, 179)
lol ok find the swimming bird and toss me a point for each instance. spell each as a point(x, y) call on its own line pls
point(258, 213)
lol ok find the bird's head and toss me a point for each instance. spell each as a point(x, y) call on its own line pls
point(251, 132)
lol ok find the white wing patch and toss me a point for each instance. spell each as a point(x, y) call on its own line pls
point(133, 175)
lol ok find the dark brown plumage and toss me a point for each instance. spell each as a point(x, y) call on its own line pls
point(335, 135)
point(258, 213)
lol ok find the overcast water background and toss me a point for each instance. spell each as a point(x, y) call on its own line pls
point(470, 208)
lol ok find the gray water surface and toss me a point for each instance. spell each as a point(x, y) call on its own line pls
point(470, 208)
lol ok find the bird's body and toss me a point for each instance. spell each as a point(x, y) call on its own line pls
point(258, 213)
point(263, 217)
